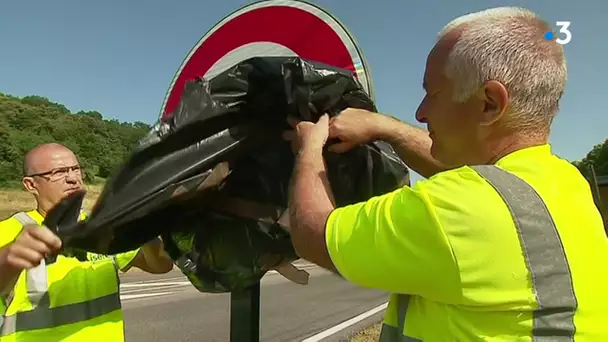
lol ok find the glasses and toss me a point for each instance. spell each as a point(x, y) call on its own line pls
point(59, 173)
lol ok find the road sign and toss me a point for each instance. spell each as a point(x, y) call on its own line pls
point(270, 28)
point(264, 29)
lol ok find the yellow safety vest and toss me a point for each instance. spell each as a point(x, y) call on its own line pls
point(504, 252)
point(544, 254)
point(68, 300)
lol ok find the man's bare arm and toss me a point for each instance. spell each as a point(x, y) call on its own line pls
point(310, 203)
point(412, 144)
point(353, 127)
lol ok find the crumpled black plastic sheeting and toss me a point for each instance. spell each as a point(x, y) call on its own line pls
point(232, 122)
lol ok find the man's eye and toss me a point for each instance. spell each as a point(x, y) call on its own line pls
point(60, 172)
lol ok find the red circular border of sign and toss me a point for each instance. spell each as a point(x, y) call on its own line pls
point(282, 25)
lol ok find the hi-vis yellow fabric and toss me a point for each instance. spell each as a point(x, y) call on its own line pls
point(68, 300)
point(506, 252)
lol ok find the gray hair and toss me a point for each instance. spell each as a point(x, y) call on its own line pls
point(507, 44)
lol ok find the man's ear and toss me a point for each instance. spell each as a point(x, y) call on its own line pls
point(496, 99)
point(30, 185)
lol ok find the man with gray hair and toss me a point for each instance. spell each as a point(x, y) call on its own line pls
point(499, 242)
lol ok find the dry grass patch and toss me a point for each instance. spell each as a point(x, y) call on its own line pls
point(14, 200)
point(369, 334)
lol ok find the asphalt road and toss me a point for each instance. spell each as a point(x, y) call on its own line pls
point(168, 308)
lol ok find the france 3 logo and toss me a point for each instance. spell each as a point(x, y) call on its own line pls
point(564, 35)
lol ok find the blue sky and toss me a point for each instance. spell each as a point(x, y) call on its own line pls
point(118, 57)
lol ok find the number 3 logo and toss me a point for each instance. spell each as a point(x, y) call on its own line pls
point(563, 25)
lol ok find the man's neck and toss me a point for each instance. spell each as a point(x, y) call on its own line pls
point(505, 147)
point(41, 210)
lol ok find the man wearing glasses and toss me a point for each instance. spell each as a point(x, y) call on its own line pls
point(76, 298)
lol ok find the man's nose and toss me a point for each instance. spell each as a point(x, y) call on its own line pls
point(71, 177)
point(420, 113)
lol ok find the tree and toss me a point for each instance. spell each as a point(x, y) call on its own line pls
point(597, 157)
point(101, 145)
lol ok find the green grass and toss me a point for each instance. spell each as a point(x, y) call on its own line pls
point(14, 199)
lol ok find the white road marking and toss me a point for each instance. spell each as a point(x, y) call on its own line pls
point(133, 290)
point(143, 295)
point(152, 280)
point(176, 280)
point(345, 324)
point(175, 289)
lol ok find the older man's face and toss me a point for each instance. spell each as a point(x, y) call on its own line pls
point(58, 174)
point(452, 125)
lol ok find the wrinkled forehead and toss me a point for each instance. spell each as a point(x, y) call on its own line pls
point(53, 159)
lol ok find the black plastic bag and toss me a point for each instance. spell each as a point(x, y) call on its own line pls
point(212, 178)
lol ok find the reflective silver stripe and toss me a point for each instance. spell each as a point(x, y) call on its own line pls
point(390, 333)
point(44, 318)
point(24, 219)
point(37, 285)
point(544, 254)
point(36, 278)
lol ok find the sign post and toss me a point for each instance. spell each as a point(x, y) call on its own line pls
point(269, 28)
point(245, 315)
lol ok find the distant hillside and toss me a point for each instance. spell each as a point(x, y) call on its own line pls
point(100, 144)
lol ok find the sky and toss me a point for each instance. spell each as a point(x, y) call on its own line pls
point(118, 57)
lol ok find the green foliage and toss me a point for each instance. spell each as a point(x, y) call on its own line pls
point(101, 145)
point(597, 157)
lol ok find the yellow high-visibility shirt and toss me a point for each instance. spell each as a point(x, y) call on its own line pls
point(499, 253)
point(68, 300)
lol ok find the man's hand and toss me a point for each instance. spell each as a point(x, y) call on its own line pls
point(307, 135)
point(30, 247)
point(152, 258)
point(354, 127)
point(27, 251)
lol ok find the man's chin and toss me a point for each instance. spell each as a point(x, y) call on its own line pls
point(436, 151)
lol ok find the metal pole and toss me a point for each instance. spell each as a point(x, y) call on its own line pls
point(245, 315)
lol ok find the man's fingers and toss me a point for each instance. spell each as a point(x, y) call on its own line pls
point(22, 256)
point(36, 245)
point(18, 263)
point(323, 120)
point(44, 235)
point(341, 147)
point(332, 131)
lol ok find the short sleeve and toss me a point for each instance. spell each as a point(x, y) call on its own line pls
point(394, 243)
point(123, 260)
